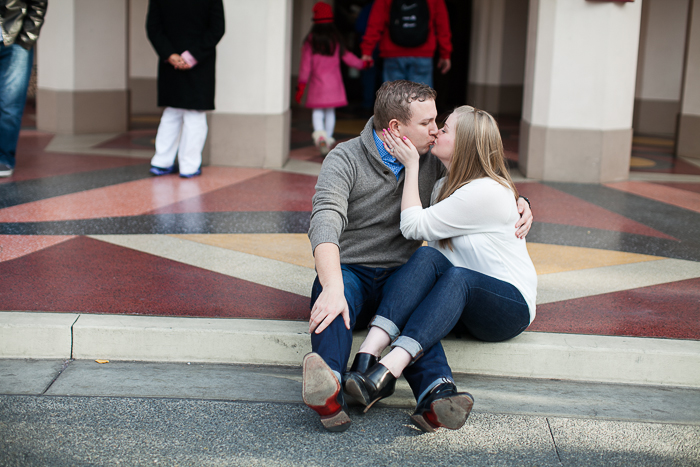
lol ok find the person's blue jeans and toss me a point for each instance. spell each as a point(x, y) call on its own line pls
point(416, 69)
point(430, 297)
point(364, 289)
point(15, 70)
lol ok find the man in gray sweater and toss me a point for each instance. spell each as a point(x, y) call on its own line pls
point(357, 246)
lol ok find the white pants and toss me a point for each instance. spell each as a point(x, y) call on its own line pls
point(324, 120)
point(181, 133)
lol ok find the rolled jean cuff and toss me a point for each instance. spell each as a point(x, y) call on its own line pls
point(409, 345)
point(386, 325)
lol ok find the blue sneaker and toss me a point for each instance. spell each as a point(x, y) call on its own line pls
point(6, 170)
point(157, 171)
point(198, 172)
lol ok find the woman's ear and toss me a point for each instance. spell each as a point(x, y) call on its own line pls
point(395, 128)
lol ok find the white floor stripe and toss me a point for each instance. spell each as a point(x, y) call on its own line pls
point(587, 282)
point(302, 167)
point(662, 177)
point(263, 271)
point(296, 279)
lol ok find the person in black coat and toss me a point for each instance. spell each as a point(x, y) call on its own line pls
point(184, 34)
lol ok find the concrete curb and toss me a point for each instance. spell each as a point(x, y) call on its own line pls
point(164, 339)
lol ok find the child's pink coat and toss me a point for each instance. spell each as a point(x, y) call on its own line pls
point(322, 74)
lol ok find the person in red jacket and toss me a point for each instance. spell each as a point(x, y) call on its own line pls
point(397, 25)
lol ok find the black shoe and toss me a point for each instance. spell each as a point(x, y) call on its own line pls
point(362, 363)
point(371, 386)
point(321, 392)
point(444, 407)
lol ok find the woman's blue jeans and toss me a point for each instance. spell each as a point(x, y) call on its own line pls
point(429, 298)
point(15, 71)
point(364, 290)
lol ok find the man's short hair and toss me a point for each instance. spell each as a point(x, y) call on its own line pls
point(394, 101)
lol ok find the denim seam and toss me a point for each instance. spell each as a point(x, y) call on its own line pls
point(501, 296)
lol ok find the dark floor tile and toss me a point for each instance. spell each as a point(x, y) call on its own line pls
point(556, 206)
point(20, 192)
point(667, 310)
point(567, 235)
point(671, 220)
point(664, 161)
point(189, 223)
point(34, 163)
point(88, 276)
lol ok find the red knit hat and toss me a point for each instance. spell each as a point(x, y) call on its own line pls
point(323, 13)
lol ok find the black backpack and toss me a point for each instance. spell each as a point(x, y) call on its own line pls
point(409, 22)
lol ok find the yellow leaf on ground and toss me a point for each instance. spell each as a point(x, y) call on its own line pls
point(102, 361)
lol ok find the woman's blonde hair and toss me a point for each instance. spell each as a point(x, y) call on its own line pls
point(478, 153)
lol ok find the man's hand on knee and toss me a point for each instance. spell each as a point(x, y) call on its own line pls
point(330, 303)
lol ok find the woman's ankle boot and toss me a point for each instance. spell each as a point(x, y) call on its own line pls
point(362, 363)
point(373, 385)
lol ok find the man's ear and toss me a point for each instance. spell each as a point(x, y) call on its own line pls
point(395, 127)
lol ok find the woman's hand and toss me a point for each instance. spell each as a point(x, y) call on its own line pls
point(178, 62)
point(402, 149)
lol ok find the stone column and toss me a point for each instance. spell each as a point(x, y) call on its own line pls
point(579, 90)
point(688, 143)
point(657, 100)
point(497, 64)
point(82, 66)
point(251, 124)
point(143, 63)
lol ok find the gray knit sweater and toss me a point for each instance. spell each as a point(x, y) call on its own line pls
point(357, 204)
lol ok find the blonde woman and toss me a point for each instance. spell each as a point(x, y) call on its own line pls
point(475, 273)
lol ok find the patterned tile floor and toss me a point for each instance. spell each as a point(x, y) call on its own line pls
point(84, 228)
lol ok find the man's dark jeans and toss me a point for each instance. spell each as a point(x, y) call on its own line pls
point(364, 290)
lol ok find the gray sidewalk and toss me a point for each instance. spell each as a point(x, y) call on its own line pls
point(55, 412)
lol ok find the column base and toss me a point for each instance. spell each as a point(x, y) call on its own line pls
point(80, 112)
point(248, 140)
point(574, 155)
point(688, 144)
point(655, 117)
point(495, 99)
point(144, 96)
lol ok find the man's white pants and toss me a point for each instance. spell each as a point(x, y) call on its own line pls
point(181, 133)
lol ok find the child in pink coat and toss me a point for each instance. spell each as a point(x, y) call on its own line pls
point(320, 72)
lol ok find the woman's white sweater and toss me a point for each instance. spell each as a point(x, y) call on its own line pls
point(480, 219)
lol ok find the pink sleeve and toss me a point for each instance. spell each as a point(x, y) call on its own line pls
point(352, 60)
point(305, 66)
